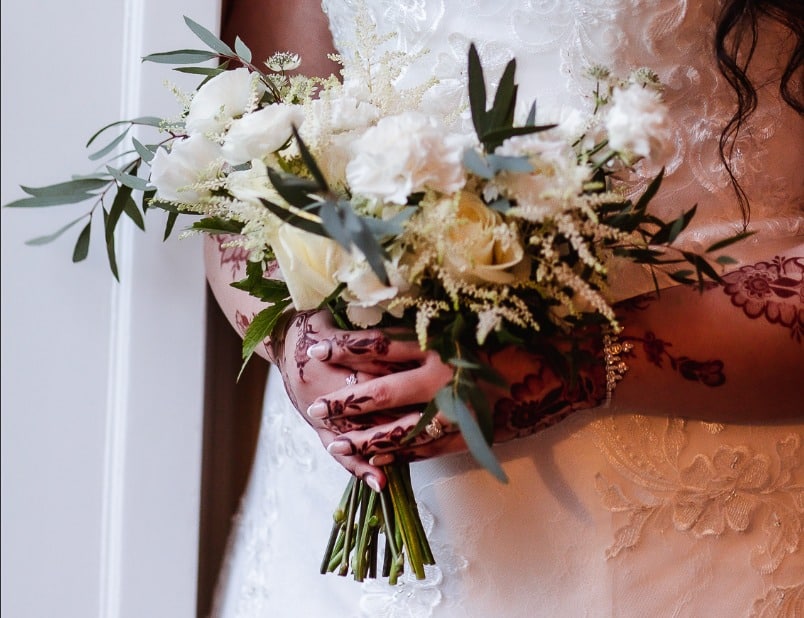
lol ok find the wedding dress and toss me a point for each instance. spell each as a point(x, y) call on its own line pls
point(604, 515)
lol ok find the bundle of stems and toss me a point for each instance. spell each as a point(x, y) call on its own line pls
point(360, 517)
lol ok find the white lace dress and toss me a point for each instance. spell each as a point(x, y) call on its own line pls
point(604, 515)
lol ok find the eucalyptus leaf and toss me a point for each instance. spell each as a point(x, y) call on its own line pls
point(309, 161)
point(650, 192)
point(110, 146)
point(456, 410)
point(217, 225)
point(516, 165)
point(128, 180)
point(146, 152)
point(71, 187)
point(242, 50)
point(52, 200)
point(477, 164)
point(181, 56)
point(725, 260)
point(110, 245)
point(133, 213)
point(43, 240)
point(150, 121)
point(294, 219)
point(169, 224)
point(477, 91)
point(81, 249)
point(502, 109)
point(722, 244)
point(212, 41)
point(207, 71)
point(293, 189)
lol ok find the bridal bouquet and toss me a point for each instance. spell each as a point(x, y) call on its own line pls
point(475, 229)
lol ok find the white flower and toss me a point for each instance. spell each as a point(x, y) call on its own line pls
point(367, 297)
point(221, 99)
point(406, 153)
point(255, 135)
point(252, 184)
point(479, 246)
point(189, 161)
point(637, 123)
point(309, 264)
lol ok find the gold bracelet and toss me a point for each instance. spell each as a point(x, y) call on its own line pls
point(616, 367)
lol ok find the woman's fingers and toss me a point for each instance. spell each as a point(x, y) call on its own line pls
point(374, 351)
point(357, 465)
point(394, 391)
point(386, 442)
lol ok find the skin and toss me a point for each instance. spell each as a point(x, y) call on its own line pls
point(717, 355)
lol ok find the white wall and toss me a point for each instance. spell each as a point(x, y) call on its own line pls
point(101, 382)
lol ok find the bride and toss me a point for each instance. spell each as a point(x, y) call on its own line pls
point(685, 495)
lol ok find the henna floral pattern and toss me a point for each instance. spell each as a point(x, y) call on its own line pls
point(772, 289)
point(233, 256)
point(707, 372)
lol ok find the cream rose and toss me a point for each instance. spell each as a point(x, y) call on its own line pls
point(309, 264)
point(479, 246)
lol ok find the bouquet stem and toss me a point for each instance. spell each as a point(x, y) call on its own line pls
point(361, 515)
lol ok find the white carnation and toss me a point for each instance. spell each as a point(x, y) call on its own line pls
point(222, 98)
point(188, 162)
point(637, 123)
point(260, 133)
point(403, 154)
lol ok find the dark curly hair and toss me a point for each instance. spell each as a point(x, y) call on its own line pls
point(736, 39)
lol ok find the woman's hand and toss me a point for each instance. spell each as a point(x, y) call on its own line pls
point(372, 414)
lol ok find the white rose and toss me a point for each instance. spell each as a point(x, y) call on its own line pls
point(260, 133)
point(222, 98)
point(479, 246)
point(367, 297)
point(637, 123)
point(403, 154)
point(188, 162)
point(309, 264)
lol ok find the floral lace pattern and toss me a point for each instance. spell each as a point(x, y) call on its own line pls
point(732, 490)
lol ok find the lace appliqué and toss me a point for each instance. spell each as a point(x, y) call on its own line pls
point(726, 492)
point(412, 597)
point(780, 603)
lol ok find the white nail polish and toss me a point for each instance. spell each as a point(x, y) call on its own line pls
point(372, 482)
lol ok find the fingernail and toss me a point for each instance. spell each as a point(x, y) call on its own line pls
point(382, 459)
point(340, 447)
point(320, 351)
point(317, 410)
point(371, 481)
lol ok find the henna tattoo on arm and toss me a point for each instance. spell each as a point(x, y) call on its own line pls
point(772, 290)
point(707, 372)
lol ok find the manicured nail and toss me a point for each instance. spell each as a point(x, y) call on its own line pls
point(340, 447)
point(381, 459)
point(317, 410)
point(372, 482)
point(320, 351)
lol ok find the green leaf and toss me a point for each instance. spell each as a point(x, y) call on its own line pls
point(502, 110)
point(146, 152)
point(309, 161)
point(260, 328)
point(516, 165)
point(477, 164)
point(531, 119)
point(55, 200)
point(347, 229)
point(668, 232)
point(43, 240)
point(721, 244)
point(494, 137)
point(651, 191)
point(212, 41)
point(242, 50)
point(169, 224)
point(110, 248)
point(81, 250)
point(133, 213)
point(208, 71)
point(477, 92)
point(267, 290)
point(455, 409)
point(217, 225)
point(110, 146)
point(181, 56)
point(150, 121)
point(290, 217)
point(293, 189)
point(71, 187)
point(725, 260)
point(128, 180)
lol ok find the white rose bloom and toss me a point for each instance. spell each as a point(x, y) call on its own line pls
point(637, 123)
point(406, 153)
point(222, 98)
point(478, 246)
point(260, 133)
point(309, 264)
point(188, 162)
point(252, 184)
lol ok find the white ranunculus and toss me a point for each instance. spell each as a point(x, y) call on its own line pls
point(309, 264)
point(189, 161)
point(637, 123)
point(222, 98)
point(255, 135)
point(479, 246)
point(404, 154)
